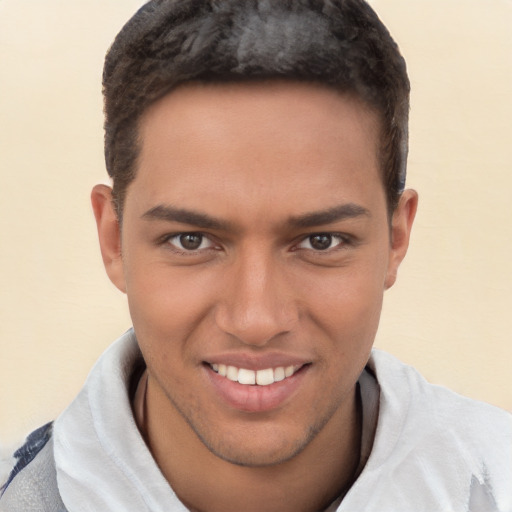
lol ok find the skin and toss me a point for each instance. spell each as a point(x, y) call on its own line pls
point(273, 164)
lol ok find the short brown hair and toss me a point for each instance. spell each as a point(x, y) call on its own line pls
point(340, 43)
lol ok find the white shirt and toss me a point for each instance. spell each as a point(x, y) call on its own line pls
point(433, 451)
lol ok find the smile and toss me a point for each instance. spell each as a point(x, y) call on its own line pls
point(247, 377)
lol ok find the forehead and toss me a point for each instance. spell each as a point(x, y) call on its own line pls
point(284, 139)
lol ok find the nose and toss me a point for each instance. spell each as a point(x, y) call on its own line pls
point(257, 303)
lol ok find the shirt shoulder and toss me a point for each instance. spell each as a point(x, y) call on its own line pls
point(434, 447)
point(415, 399)
point(32, 484)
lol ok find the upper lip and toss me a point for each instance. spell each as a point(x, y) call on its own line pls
point(259, 362)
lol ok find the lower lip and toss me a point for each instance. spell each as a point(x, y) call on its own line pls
point(255, 398)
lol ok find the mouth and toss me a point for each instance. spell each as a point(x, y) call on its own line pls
point(255, 391)
point(246, 377)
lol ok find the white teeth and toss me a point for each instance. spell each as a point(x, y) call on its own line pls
point(289, 371)
point(250, 377)
point(232, 373)
point(265, 377)
point(279, 374)
point(246, 376)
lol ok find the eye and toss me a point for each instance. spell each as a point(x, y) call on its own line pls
point(190, 242)
point(322, 242)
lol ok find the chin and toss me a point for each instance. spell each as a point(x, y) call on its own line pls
point(254, 458)
point(259, 449)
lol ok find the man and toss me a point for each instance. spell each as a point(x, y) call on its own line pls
point(258, 213)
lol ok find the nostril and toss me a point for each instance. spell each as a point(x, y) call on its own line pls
point(257, 328)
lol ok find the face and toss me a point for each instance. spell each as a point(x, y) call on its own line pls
point(256, 248)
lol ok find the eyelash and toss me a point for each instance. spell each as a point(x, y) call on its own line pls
point(343, 241)
point(167, 239)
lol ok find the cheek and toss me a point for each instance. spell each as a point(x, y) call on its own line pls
point(160, 293)
point(350, 296)
point(348, 310)
point(167, 305)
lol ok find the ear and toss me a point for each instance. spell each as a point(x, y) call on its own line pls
point(401, 225)
point(109, 234)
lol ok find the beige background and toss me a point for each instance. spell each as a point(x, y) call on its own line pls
point(450, 313)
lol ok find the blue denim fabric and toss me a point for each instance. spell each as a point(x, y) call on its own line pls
point(26, 454)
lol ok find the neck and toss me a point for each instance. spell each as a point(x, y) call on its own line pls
point(309, 481)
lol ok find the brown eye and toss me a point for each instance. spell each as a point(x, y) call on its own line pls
point(320, 242)
point(191, 241)
point(323, 242)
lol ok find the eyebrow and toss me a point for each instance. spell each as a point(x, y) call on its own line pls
point(335, 214)
point(197, 219)
point(202, 220)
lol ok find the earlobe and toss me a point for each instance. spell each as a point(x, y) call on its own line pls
point(109, 234)
point(401, 225)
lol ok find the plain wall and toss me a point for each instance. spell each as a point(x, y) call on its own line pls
point(449, 314)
